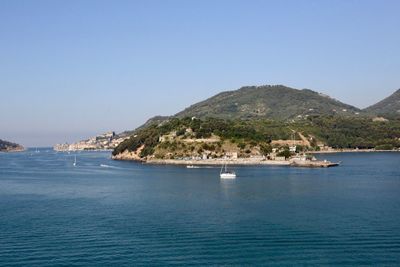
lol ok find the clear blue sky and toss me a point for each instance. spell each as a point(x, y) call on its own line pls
point(72, 69)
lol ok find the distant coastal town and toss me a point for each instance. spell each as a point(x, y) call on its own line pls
point(105, 141)
point(6, 146)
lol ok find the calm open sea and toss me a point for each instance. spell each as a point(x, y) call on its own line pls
point(104, 212)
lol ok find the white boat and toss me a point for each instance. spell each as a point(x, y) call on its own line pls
point(225, 174)
point(75, 161)
point(192, 167)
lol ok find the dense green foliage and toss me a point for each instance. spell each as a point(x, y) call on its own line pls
point(339, 132)
point(279, 103)
point(148, 137)
point(334, 131)
point(226, 129)
point(248, 120)
point(267, 102)
point(285, 153)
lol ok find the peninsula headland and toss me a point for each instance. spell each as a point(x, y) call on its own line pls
point(262, 125)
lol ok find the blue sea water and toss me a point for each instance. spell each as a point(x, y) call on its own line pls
point(111, 213)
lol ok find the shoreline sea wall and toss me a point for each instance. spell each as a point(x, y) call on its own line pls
point(239, 161)
point(135, 156)
point(349, 151)
point(235, 162)
point(19, 149)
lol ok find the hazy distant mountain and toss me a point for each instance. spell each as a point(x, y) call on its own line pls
point(6, 146)
point(388, 106)
point(271, 102)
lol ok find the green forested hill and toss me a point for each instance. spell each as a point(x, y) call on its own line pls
point(389, 106)
point(276, 102)
point(176, 137)
point(253, 118)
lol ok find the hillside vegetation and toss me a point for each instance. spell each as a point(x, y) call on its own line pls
point(280, 103)
point(389, 107)
point(272, 102)
point(192, 137)
point(267, 102)
point(253, 120)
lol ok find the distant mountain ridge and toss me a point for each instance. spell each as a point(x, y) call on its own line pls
point(388, 106)
point(276, 102)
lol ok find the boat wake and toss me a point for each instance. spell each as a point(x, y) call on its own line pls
point(107, 166)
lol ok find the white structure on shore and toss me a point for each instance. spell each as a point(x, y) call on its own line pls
point(104, 141)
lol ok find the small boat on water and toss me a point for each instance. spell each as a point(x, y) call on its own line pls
point(225, 174)
point(74, 161)
point(192, 167)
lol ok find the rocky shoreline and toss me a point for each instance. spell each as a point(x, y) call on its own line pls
point(129, 156)
point(218, 162)
point(6, 146)
point(13, 150)
point(294, 162)
point(126, 155)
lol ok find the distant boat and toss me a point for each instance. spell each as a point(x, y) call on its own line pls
point(75, 161)
point(225, 174)
point(192, 167)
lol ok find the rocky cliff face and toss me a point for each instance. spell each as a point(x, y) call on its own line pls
point(129, 155)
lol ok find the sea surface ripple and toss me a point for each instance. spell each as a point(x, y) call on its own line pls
point(110, 213)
